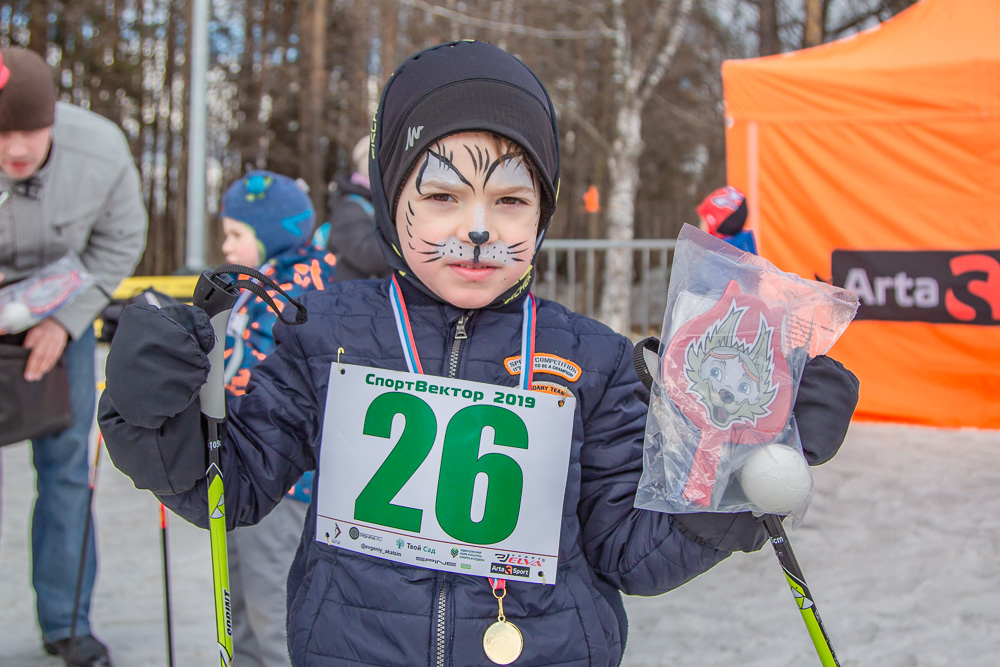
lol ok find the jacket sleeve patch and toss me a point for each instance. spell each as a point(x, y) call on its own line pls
point(546, 363)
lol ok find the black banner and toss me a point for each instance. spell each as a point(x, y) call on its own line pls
point(954, 287)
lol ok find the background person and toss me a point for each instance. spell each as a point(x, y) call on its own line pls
point(71, 184)
point(351, 227)
point(723, 214)
point(268, 222)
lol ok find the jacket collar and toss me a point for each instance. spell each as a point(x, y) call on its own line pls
point(432, 308)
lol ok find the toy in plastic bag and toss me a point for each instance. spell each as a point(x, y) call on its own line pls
point(737, 332)
point(27, 302)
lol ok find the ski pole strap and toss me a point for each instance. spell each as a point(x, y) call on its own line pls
point(259, 286)
point(652, 343)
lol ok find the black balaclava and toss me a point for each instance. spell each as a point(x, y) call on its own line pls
point(458, 87)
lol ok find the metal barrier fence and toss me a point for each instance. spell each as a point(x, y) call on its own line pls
point(568, 273)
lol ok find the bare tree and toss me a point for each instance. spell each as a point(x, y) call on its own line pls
point(311, 149)
point(637, 72)
point(293, 84)
point(814, 28)
point(767, 30)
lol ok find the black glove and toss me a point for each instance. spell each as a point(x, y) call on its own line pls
point(158, 362)
point(150, 414)
point(730, 531)
point(166, 460)
point(828, 394)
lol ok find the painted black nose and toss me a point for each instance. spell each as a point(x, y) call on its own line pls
point(726, 396)
point(479, 238)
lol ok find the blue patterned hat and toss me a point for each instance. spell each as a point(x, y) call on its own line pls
point(276, 208)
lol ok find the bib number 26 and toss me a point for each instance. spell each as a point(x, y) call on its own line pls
point(461, 464)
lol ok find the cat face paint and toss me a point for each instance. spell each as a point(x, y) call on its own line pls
point(467, 219)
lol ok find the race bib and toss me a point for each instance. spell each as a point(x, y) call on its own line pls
point(445, 474)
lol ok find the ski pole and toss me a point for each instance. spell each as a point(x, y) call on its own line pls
point(216, 295)
point(166, 586)
point(800, 590)
point(88, 522)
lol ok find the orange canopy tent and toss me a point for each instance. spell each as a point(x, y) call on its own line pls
point(874, 162)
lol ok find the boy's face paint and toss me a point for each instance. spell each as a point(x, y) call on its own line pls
point(468, 219)
point(240, 245)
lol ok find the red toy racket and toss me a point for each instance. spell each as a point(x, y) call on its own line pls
point(726, 373)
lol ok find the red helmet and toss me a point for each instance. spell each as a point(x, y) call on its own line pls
point(724, 211)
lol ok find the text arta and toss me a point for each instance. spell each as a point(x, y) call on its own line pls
point(926, 286)
point(900, 289)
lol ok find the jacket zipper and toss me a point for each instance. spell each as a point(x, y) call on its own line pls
point(442, 598)
point(456, 346)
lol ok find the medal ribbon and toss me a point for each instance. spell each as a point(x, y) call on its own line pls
point(413, 359)
point(405, 332)
point(403, 328)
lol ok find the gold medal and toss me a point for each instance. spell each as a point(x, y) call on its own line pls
point(502, 641)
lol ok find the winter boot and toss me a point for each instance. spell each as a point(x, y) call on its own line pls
point(85, 651)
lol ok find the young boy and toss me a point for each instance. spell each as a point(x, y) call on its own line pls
point(464, 175)
point(268, 220)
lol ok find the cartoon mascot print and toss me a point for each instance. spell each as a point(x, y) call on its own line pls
point(726, 373)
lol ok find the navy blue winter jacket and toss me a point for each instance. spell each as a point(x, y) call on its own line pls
point(347, 608)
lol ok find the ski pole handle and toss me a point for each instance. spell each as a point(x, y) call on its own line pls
point(215, 294)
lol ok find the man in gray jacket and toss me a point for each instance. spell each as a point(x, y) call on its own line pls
point(67, 183)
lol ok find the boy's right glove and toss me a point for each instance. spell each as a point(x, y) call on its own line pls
point(158, 365)
point(149, 413)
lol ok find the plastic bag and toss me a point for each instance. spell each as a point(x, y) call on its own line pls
point(27, 302)
point(737, 332)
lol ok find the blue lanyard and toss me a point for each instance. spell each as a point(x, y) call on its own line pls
point(410, 349)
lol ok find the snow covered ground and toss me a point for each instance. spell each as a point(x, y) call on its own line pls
point(900, 548)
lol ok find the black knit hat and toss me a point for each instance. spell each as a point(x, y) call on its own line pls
point(458, 87)
point(28, 99)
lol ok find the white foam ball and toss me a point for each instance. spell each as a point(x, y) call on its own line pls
point(16, 316)
point(776, 479)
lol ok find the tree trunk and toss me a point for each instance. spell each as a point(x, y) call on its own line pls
point(312, 104)
point(623, 172)
point(813, 32)
point(38, 26)
point(389, 58)
point(768, 30)
point(639, 68)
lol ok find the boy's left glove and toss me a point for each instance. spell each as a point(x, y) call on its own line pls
point(726, 531)
point(827, 396)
